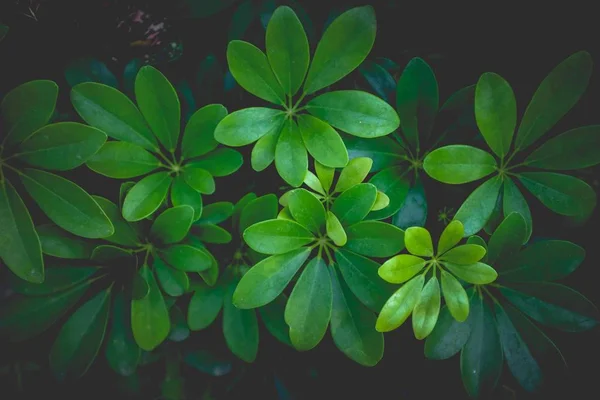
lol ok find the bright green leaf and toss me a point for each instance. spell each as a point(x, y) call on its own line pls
point(418, 241)
point(335, 230)
point(183, 194)
point(401, 268)
point(307, 210)
point(477, 208)
point(198, 136)
point(426, 311)
point(458, 164)
point(455, 297)
point(354, 204)
point(277, 236)
point(451, 236)
point(248, 125)
point(464, 254)
point(400, 305)
point(354, 173)
point(322, 141)
point(123, 160)
point(291, 160)
point(477, 273)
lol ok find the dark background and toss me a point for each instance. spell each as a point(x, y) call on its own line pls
point(460, 43)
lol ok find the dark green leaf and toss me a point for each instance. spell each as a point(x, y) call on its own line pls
point(258, 210)
point(211, 234)
point(307, 210)
point(240, 328)
point(58, 279)
point(174, 282)
point(395, 185)
point(122, 352)
point(179, 328)
point(513, 201)
point(187, 258)
point(447, 338)
point(108, 253)
point(384, 151)
point(477, 208)
point(221, 162)
point(198, 137)
point(183, 194)
point(413, 211)
point(125, 234)
point(89, 70)
point(205, 304)
point(146, 196)
point(322, 141)
point(263, 152)
point(123, 160)
point(379, 78)
point(291, 160)
point(149, 315)
point(506, 240)
point(458, 164)
point(272, 316)
point(354, 204)
point(574, 149)
point(172, 225)
point(248, 125)
point(375, 239)
point(277, 236)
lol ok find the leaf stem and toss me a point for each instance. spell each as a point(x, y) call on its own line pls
point(298, 102)
point(165, 159)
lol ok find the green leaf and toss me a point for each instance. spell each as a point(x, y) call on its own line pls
point(20, 247)
point(354, 173)
point(139, 286)
point(417, 101)
point(495, 112)
point(413, 211)
point(481, 357)
point(199, 179)
point(122, 352)
point(179, 328)
point(287, 49)
point(291, 160)
point(479, 240)
point(159, 104)
point(250, 68)
point(67, 204)
point(401, 268)
point(221, 162)
point(506, 239)
point(174, 282)
point(183, 194)
point(380, 80)
point(112, 112)
point(518, 357)
point(455, 297)
point(216, 213)
point(25, 317)
point(381, 202)
point(89, 70)
point(325, 175)
point(477, 273)
point(125, 234)
point(447, 338)
point(263, 152)
point(205, 304)
point(426, 311)
point(418, 241)
point(187, 258)
point(375, 239)
point(555, 96)
point(450, 237)
point(58, 279)
point(80, 338)
point(257, 210)
point(27, 108)
point(198, 136)
point(562, 194)
point(211, 234)
point(272, 316)
point(357, 113)
point(240, 328)
point(384, 151)
point(400, 305)
point(146, 196)
point(61, 146)
point(464, 254)
point(267, 279)
point(322, 141)
point(308, 310)
point(458, 164)
point(477, 208)
point(394, 184)
point(554, 305)
point(248, 125)
point(129, 73)
point(307, 210)
point(106, 253)
point(335, 230)
point(352, 326)
point(360, 274)
point(123, 160)
point(513, 201)
point(344, 45)
point(172, 225)
point(238, 208)
point(574, 149)
point(546, 260)
point(149, 316)
point(354, 204)
point(277, 236)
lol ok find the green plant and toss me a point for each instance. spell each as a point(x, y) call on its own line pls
point(148, 143)
point(285, 136)
point(504, 317)
point(91, 70)
point(28, 150)
point(423, 299)
point(496, 116)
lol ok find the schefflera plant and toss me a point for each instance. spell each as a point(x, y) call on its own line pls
point(240, 326)
point(286, 135)
point(505, 316)
point(496, 117)
point(29, 150)
point(329, 249)
point(148, 143)
point(420, 293)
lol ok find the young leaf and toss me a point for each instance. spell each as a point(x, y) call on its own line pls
point(20, 247)
point(173, 224)
point(308, 310)
point(477, 273)
point(400, 305)
point(555, 96)
point(458, 164)
point(348, 41)
point(61, 146)
point(418, 241)
point(447, 338)
point(450, 237)
point(146, 196)
point(477, 208)
point(221, 162)
point(287, 49)
point(506, 239)
point(322, 141)
point(325, 175)
point(67, 204)
point(355, 112)
point(401, 268)
point(80, 338)
point(187, 258)
point(240, 328)
point(465, 254)
point(375, 239)
point(122, 160)
point(354, 173)
point(122, 352)
point(183, 194)
point(250, 68)
point(307, 210)
point(205, 304)
point(335, 230)
point(112, 112)
point(174, 282)
point(427, 309)
point(455, 297)
point(159, 104)
point(277, 236)
point(574, 149)
point(513, 201)
point(248, 125)
point(291, 160)
point(495, 112)
point(354, 204)
point(198, 136)
point(149, 316)
point(267, 279)
point(393, 183)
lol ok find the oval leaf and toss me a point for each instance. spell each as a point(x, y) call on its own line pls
point(458, 164)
